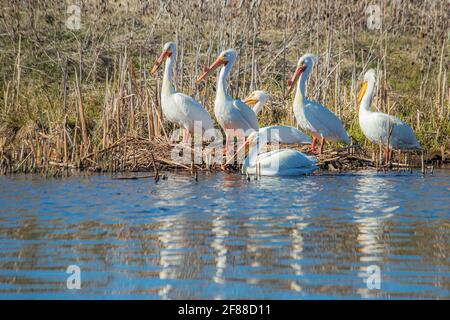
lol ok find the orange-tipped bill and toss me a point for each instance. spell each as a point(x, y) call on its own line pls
point(362, 92)
point(164, 55)
point(219, 61)
point(294, 79)
point(250, 100)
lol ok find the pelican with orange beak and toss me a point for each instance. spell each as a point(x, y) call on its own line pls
point(375, 124)
point(179, 108)
point(233, 115)
point(257, 99)
point(311, 116)
point(277, 162)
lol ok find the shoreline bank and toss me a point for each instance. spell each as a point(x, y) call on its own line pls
point(134, 154)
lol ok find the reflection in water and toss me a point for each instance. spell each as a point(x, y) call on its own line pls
point(226, 237)
point(297, 250)
point(372, 198)
point(169, 238)
point(220, 234)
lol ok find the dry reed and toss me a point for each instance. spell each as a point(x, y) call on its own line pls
point(84, 98)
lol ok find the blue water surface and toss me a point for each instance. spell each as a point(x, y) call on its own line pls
point(224, 237)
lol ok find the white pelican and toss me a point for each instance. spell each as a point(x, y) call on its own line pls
point(311, 116)
point(178, 107)
point(375, 124)
point(257, 99)
point(275, 162)
point(279, 162)
point(284, 134)
point(277, 134)
point(232, 114)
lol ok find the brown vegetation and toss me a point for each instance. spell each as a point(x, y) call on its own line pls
point(69, 95)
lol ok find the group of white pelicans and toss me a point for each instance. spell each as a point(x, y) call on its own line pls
point(313, 118)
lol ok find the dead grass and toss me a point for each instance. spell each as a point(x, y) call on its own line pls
point(70, 93)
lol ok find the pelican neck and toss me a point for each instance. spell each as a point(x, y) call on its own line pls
point(257, 108)
point(222, 82)
point(367, 98)
point(254, 150)
point(300, 95)
point(167, 85)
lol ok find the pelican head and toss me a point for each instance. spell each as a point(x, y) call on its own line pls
point(306, 62)
point(224, 58)
point(257, 96)
point(169, 49)
point(369, 77)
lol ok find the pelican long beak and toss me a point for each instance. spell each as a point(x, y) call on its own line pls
point(294, 79)
point(219, 61)
point(362, 92)
point(164, 55)
point(250, 100)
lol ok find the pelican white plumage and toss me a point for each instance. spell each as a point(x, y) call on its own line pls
point(177, 107)
point(278, 162)
point(257, 99)
point(375, 124)
point(282, 162)
point(232, 114)
point(311, 116)
point(275, 134)
point(284, 134)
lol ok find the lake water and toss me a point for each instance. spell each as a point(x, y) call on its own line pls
point(224, 237)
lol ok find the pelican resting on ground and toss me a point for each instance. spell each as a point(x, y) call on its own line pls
point(177, 107)
point(233, 115)
point(275, 134)
point(278, 162)
point(375, 124)
point(311, 116)
point(257, 99)
point(284, 134)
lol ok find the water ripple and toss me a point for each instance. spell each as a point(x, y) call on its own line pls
point(225, 237)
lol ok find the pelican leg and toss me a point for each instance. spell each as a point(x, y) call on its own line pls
point(185, 135)
point(322, 142)
point(244, 140)
point(227, 143)
point(225, 152)
point(387, 153)
point(313, 145)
